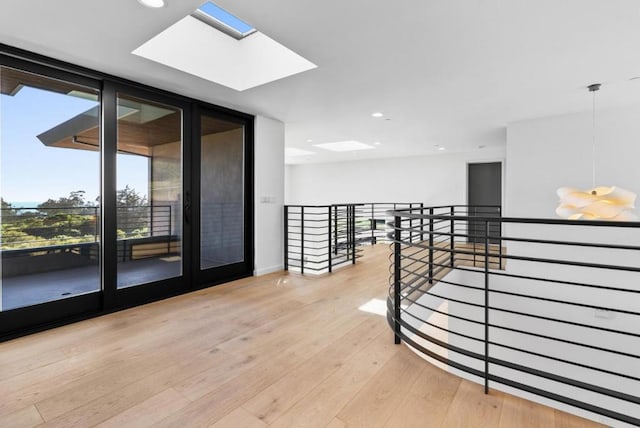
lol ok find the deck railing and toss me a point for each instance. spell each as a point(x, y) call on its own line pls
point(544, 308)
point(74, 233)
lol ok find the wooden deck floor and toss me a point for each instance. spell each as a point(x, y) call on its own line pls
point(279, 350)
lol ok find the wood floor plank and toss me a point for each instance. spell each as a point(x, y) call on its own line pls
point(275, 362)
point(471, 407)
point(428, 400)
point(517, 412)
point(566, 420)
point(148, 412)
point(239, 418)
point(336, 423)
point(269, 404)
point(27, 417)
point(322, 404)
point(374, 404)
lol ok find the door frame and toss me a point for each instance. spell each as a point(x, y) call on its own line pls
point(20, 321)
point(502, 161)
point(225, 273)
point(115, 298)
point(470, 237)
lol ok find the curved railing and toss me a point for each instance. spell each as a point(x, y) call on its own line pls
point(543, 308)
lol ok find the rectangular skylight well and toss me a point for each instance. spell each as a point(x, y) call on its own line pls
point(344, 146)
point(217, 17)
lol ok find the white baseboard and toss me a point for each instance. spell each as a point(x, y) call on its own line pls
point(266, 270)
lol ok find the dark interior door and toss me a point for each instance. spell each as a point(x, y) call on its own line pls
point(484, 196)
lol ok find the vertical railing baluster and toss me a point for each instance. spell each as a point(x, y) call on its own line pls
point(335, 229)
point(475, 239)
point(421, 222)
point(452, 241)
point(286, 237)
point(410, 222)
point(500, 237)
point(486, 307)
point(430, 245)
point(396, 279)
point(302, 239)
point(353, 234)
point(373, 224)
point(330, 239)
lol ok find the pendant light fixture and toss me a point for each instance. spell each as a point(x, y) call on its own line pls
point(598, 203)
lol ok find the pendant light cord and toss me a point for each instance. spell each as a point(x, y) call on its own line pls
point(593, 151)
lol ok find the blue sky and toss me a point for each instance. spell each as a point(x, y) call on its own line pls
point(30, 171)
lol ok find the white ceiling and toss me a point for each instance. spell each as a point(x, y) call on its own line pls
point(452, 73)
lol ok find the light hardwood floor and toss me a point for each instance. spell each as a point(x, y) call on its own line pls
point(278, 350)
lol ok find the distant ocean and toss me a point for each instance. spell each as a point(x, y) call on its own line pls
point(25, 204)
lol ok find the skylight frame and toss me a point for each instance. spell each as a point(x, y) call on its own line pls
point(219, 23)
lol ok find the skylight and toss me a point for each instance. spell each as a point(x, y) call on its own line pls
point(217, 17)
point(344, 146)
point(206, 47)
point(292, 151)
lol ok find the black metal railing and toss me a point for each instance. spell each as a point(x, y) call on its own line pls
point(318, 238)
point(74, 232)
point(28, 228)
point(550, 308)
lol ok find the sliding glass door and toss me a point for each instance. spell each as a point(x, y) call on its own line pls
point(221, 177)
point(114, 195)
point(50, 240)
point(149, 191)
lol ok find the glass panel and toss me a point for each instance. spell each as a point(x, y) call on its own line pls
point(49, 188)
point(222, 193)
point(149, 196)
point(219, 18)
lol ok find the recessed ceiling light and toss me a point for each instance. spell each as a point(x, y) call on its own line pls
point(441, 148)
point(377, 114)
point(309, 140)
point(377, 143)
point(152, 3)
point(344, 146)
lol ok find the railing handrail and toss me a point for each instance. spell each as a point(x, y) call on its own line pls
point(501, 219)
point(156, 217)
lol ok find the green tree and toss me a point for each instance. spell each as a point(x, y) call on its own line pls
point(128, 197)
point(134, 214)
point(76, 199)
point(8, 212)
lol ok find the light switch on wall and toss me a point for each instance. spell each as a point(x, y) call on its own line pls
point(267, 199)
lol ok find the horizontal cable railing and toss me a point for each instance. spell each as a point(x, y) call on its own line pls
point(550, 308)
point(318, 238)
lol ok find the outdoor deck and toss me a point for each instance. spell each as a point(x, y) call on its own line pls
point(26, 290)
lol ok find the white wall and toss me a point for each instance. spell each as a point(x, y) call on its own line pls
point(547, 153)
point(269, 195)
point(552, 152)
point(437, 179)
